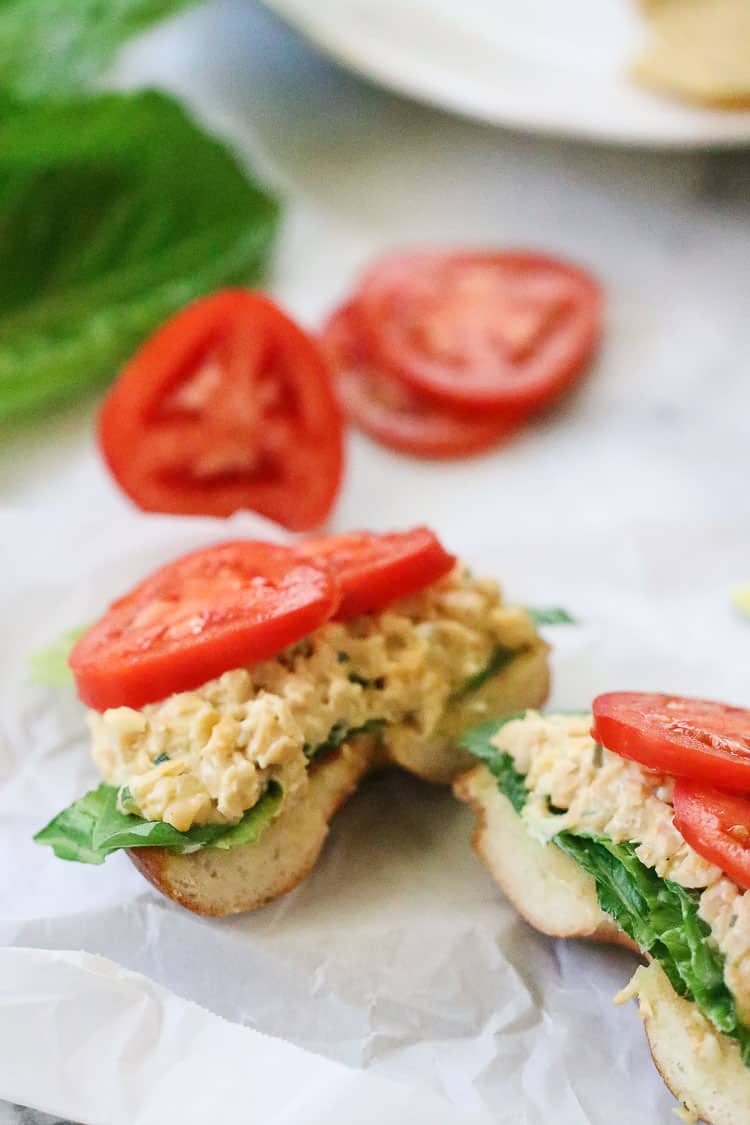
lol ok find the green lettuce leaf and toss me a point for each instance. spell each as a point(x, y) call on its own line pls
point(550, 615)
point(339, 734)
point(501, 656)
point(501, 765)
point(50, 665)
point(661, 916)
point(52, 48)
point(93, 827)
point(114, 212)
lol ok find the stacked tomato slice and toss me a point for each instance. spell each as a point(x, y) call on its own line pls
point(237, 603)
point(444, 354)
point(706, 747)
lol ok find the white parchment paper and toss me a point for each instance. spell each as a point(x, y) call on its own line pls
point(398, 956)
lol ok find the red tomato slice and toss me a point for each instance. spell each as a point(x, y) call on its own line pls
point(393, 413)
point(504, 329)
point(375, 570)
point(229, 405)
point(717, 825)
point(694, 738)
point(216, 609)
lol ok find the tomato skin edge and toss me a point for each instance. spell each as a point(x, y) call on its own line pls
point(409, 562)
point(658, 751)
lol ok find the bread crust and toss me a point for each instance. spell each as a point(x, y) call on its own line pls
point(547, 888)
point(217, 883)
point(702, 1067)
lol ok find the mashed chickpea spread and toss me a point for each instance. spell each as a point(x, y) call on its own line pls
point(207, 756)
point(576, 785)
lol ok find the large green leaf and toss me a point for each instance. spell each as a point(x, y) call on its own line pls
point(114, 212)
point(50, 48)
point(93, 827)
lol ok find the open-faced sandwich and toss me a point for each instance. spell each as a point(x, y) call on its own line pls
point(240, 693)
point(633, 826)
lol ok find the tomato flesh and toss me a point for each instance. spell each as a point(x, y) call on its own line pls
point(502, 329)
point(215, 609)
point(695, 738)
point(228, 406)
point(375, 570)
point(716, 825)
point(393, 413)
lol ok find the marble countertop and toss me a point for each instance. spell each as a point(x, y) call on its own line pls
point(657, 434)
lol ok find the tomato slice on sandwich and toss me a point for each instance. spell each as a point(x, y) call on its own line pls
point(694, 738)
point(199, 616)
point(716, 825)
point(229, 405)
point(374, 570)
point(481, 329)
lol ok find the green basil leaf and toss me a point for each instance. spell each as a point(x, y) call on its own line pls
point(114, 212)
point(50, 48)
point(93, 827)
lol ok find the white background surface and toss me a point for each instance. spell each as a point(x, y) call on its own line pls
point(539, 65)
point(629, 504)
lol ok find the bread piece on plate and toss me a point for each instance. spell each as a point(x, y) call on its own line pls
point(699, 50)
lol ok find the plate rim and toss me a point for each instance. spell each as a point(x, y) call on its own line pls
point(735, 133)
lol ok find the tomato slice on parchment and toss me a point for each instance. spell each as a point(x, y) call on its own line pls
point(481, 329)
point(716, 825)
point(393, 413)
point(375, 570)
point(695, 738)
point(229, 405)
point(215, 609)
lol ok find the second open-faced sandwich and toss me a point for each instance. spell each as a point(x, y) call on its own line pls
point(239, 694)
point(632, 825)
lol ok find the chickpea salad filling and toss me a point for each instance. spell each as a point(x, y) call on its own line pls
point(614, 817)
point(214, 765)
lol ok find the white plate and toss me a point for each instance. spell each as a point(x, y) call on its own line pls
point(538, 65)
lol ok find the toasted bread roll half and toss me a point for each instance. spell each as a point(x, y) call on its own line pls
point(216, 882)
point(245, 877)
point(546, 887)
